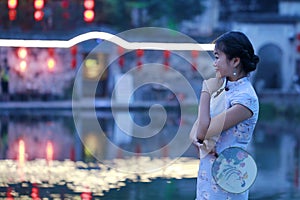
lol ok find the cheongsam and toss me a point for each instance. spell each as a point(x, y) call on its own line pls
point(239, 92)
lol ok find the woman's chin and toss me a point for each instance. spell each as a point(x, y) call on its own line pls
point(218, 74)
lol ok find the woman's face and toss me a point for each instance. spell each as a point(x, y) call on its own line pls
point(223, 66)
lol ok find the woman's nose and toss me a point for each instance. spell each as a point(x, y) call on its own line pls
point(215, 64)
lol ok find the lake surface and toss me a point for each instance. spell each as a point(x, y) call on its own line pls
point(140, 155)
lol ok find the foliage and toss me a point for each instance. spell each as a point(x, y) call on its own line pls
point(118, 14)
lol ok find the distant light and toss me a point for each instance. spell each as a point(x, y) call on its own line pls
point(38, 4)
point(89, 4)
point(12, 4)
point(22, 52)
point(38, 15)
point(21, 152)
point(49, 151)
point(23, 66)
point(89, 15)
point(51, 63)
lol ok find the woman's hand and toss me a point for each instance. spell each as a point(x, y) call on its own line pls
point(212, 85)
point(193, 134)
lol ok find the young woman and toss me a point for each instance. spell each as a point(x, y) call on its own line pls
point(233, 125)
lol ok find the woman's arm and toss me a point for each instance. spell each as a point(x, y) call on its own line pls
point(227, 119)
point(203, 115)
point(208, 88)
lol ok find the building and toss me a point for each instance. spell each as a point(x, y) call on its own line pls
point(275, 36)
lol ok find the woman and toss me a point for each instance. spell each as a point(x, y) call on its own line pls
point(231, 126)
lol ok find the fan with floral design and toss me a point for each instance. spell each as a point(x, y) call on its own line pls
point(234, 170)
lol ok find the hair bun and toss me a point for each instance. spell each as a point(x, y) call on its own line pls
point(255, 59)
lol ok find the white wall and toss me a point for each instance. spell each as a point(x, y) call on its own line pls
point(279, 35)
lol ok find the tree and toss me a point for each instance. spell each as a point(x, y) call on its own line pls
point(121, 14)
point(174, 12)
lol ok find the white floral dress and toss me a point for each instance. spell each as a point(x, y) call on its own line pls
point(240, 92)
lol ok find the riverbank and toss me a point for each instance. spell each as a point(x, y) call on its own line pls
point(271, 105)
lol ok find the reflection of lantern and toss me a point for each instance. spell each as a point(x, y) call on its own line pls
point(138, 150)
point(49, 151)
point(139, 54)
point(21, 152)
point(121, 61)
point(87, 194)
point(72, 153)
point(9, 194)
point(35, 193)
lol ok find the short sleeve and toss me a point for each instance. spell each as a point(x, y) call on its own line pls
point(247, 100)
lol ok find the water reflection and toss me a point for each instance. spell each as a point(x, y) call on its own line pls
point(45, 157)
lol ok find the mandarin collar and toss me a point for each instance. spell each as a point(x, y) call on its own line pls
point(232, 84)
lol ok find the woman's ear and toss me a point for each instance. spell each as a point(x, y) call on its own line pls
point(236, 61)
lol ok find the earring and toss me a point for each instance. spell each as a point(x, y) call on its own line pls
point(234, 72)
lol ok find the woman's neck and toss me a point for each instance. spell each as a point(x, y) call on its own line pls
point(237, 77)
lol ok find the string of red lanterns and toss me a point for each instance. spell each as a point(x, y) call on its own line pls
point(166, 58)
point(139, 54)
point(74, 55)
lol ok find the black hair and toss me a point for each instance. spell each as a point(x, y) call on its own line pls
point(236, 44)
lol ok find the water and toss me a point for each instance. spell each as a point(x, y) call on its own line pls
point(42, 155)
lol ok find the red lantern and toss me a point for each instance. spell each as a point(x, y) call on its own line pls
point(51, 52)
point(65, 4)
point(139, 54)
point(89, 13)
point(167, 65)
point(121, 50)
point(194, 66)
point(74, 54)
point(12, 4)
point(167, 54)
point(38, 9)
point(12, 13)
point(73, 63)
point(139, 65)
point(74, 50)
point(121, 61)
point(166, 59)
point(195, 53)
point(38, 15)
